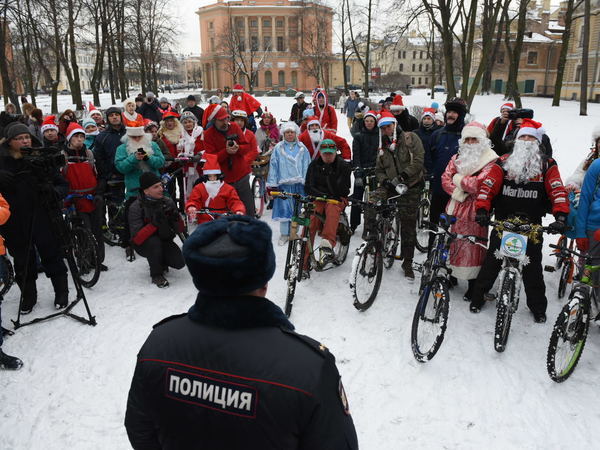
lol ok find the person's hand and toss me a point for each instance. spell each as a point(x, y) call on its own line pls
point(232, 149)
point(559, 225)
point(482, 217)
point(583, 244)
point(401, 189)
point(570, 188)
point(139, 156)
point(272, 189)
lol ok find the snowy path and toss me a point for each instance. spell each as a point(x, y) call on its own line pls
point(73, 389)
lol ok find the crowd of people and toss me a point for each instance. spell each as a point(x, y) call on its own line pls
point(174, 165)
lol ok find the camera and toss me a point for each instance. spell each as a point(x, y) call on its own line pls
point(44, 162)
point(141, 151)
point(522, 113)
point(231, 139)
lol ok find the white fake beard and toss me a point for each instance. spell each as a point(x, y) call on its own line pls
point(467, 161)
point(212, 189)
point(525, 161)
point(145, 143)
point(316, 136)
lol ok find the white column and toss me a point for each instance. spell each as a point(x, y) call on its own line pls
point(260, 35)
point(246, 34)
point(286, 44)
point(273, 36)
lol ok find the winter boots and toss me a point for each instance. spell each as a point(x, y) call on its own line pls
point(61, 290)
point(409, 274)
point(160, 281)
point(29, 293)
point(8, 362)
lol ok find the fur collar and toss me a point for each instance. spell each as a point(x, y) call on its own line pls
point(174, 135)
point(239, 312)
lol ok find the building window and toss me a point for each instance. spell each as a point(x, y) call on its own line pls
point(266, 23)
point(267, 43)
point(419, 80)
point(578, 74)
point(412, 80)
point(242, 46)
point(413, 67)
point(399, 54)
point(401, 69)
point(281, 78)
point(294, 78)
point(404, 54)
point(254, 23)
point(581, 36)
point(279, 23)
point(268, 79)
point(532, 58)
point(420, 68)
point(210, 25)
point(254, 43)
point(414, 54)
point(280, 47)
point(212, 44)
point(426, 69)
point(420, 55)
point(255, 80)
point(500, 58)
point(426, 80)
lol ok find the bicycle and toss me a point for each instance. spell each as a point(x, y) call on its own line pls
point(7, 275)
point(565, 263)
point(85, 248)
point(571, 327)
point(431, 313)
point(423, 219)
point(114, 227)
point(260, 169)
point(515, 235)
point(301, 247)
point(375, 253)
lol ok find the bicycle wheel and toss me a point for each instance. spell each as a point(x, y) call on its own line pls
point(562, 242)
point(342, 241)
point(85, 251)
point(504, 312)
point(8, 276)
point(391, 239)
point(568, 337)
point(292, 273)
point(430, 320)
point(259, 197)
point(112, 232)
point(422, 225)
point(367, 269)
point(565, 275)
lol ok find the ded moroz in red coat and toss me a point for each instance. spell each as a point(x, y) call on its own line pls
point(326, 115)
point(225, 200)
point(313, 149)
point(466, 258)
point(236, 166)
point(243, 101)
point(253, 152)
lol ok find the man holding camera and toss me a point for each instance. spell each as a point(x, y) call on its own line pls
point(227, 140)
point(150, 109)
point(503, 140)
point(29, 227)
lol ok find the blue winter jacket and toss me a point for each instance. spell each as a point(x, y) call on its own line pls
point(444, 145)
point(350, 107)
point(425, 134)
point(588, 212)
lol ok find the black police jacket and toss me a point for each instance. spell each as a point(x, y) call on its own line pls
point(232, 374)
point(328, 180)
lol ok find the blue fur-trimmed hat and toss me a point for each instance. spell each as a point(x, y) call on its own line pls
point(230, 256)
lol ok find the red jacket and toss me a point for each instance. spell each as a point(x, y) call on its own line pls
point(329, 119)
point(340, 142)
point(253, 153)
point(247, 103)
point(81, 175)
point(531, 198)
point(226, 200)
point(234, 167)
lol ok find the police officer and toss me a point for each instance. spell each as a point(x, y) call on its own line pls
point(232, 373)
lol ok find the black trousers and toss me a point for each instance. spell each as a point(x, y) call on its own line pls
point(533, 277)
point(244, 191)
point(126, 233)
point(160, 255)
point(439, 200)
point(355, 211)
point(93, 222)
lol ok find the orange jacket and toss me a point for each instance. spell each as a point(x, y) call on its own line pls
point(4, 215)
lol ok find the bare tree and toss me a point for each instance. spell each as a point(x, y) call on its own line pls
point(362, 41)
point(8, 85)
point(344, 43)
point(585, 50)
point(562, 59)
point(513, 48)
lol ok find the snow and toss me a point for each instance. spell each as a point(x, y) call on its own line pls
point(73, 388)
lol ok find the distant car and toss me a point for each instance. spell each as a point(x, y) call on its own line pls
point(65, 92)
point(273, 94)
point(441, 89)
point(88, 91)
point(106, 90)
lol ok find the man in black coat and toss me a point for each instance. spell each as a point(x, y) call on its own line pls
point(105, 148)
point(425, 132)
point(232, 373)
point(29, 227)
point(150, 109)
point(193, 107)
point(298, 108)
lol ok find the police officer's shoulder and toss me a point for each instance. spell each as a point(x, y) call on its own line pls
point(314, 345)
point(169, 319)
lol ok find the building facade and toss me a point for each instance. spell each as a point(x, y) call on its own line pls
point(276, 44)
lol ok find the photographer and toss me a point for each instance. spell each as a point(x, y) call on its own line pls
point(504, 144)
point(226, 140)
point(137, 155)
point(29, 227)
point(150, 109)
point(500, 126)
point(154, 222)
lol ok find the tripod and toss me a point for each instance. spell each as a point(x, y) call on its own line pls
point(52, 203)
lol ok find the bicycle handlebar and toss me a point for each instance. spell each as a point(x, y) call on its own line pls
point(304, 198)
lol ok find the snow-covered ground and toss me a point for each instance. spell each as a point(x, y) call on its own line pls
point(73, 388)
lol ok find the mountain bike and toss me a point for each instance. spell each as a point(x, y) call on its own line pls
point(564, 262)
point(571, 327)
point(114, 200)
point(423, 219)
point(300, 247)
point(431, 313)
point(515, 235)
point(375, 253)
point(85, 248)
point(7, 275)
point(260, 169)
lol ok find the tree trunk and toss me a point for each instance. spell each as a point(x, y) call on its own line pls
point(585, 56)
point(512, 88)
point(76, 85)
point(562, 59)
point(7, 83)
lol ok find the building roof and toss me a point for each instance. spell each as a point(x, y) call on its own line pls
point(537, 38)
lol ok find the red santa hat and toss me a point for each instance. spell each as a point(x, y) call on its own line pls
point(49, 123)
point(372, 114)
point(238, 88)
point(169, 115)
point(214, 111)
point(508, 106)
point(531, 128)
point(474, 130)
point(73, 129)
point(428, 112)
point(92, 110)
point(312, 120)
point(386, 118)
point(149, 123)
point(211, 166)
point(397, 105)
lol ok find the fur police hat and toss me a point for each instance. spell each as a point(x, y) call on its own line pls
point(230, 256)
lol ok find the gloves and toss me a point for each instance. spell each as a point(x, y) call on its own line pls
point(583, 244)
point(358, 182)
point(401, 189)
point(389, 184)
point(7, 180)
point(482, 217)
point(559, 225)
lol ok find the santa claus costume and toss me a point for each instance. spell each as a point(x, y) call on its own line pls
point(312, 138)
point(326, 113)
point(461, 180)
point(213, 193)
point(130, 117)
point(243, 101)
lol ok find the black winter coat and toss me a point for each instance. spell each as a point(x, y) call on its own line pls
point(161, 213)
point(297, 110)
point(231, 374)
point(197, 111)
point(151, 111)
point(364, 148)
point(328, 180)
point(425, 135)
point(406, 121)
point(503, 146)
point(105, 148)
